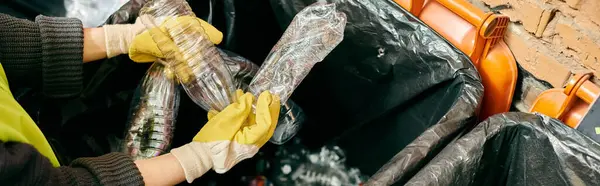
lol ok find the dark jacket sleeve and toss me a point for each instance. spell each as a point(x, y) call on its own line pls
point(22, 164)
point(46, 54)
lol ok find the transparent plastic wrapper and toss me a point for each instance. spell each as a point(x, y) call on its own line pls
point(92, 13)
point(196, 61)
point(291, 116)
point(296, 165)
point(311, 36)
point(152, 121)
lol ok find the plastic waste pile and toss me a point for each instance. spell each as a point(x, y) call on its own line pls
point(299, 166)
point(210, 76)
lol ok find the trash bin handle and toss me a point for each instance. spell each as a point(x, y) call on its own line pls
point(571, 90)
point(587, 91)
point(484, 22)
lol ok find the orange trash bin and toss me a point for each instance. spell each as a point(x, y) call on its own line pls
point(568, 104)
point(480, 36)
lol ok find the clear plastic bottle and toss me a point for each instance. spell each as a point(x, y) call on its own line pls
point(195, 60)
point(311, 36)
point(207, 76)
point(152, 120)
point(291, 116)
point(242, 69)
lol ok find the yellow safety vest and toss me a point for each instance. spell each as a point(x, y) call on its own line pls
point(17, 126)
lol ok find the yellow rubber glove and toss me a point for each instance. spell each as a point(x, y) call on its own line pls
point(232, 135)
point(145, 49)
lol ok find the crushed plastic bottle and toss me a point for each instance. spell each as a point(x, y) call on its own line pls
point(242, 69)
point(196, 61)
point(152, 120)
point(291, 116)
point(312, 35)
point(209, 77)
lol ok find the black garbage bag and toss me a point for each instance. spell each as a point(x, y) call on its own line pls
point(516, 149)
point(393, 87)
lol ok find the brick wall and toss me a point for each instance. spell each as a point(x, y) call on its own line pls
point(551, 40)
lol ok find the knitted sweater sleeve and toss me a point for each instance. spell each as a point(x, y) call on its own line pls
point(22, 164)
point(46, 54)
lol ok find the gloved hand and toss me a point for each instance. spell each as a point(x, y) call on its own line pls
point(119, 37)
point(144, 47)
point(232, 135)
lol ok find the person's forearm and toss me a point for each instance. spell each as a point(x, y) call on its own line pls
point(33, 168)
point(161, 170)
point(94, 46)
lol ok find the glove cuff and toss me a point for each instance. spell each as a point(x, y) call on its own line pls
point(118, 38)
point(194, 159)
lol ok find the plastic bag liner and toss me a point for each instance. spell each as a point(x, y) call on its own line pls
point(392, 87)
point(91, 13)
point(391, 83)
point(515, 149)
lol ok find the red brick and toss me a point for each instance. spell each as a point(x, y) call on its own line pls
point(543, 22)
point(590, 9)
point(587, 50)
point(583, 23)
point(542, 66)
point(521, 50)
point(570, 36)
point(531, 16)
point(494, 3)
point(589, 45)
point(591, 51)
point(551, 71)
point(572, 3)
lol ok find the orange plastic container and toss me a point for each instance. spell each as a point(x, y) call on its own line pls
point(479, 35)
point(568, 104)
